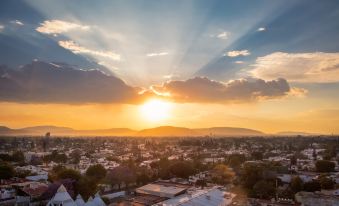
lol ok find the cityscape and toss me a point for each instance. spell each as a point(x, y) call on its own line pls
point(169, 103)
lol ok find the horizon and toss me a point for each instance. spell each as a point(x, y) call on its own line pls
point(267, 66)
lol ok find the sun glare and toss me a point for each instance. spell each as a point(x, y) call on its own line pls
point(155, 110)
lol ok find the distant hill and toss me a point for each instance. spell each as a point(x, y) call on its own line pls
point(157, 131)
point(224, 131)
point(168, 131)
point(49, 128)
point(294, 133)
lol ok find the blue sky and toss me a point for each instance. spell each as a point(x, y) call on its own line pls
point(176, 39)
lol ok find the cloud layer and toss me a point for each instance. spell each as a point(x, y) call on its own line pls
point(202, 89)
point(41, 82)
point(77, 49)
point(237, 53)
point(58, 27)
point(298, 67)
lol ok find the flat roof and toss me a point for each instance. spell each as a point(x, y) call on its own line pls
point(162, 189)
point(212, 197)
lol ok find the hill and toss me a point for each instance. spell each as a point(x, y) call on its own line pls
point(157, 131)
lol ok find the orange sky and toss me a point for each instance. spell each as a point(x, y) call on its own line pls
point(269, 116)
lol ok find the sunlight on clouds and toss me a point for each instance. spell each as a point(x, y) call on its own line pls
point(298, 67)
point(77, 49)
point(157, 54)
point(17, 22)
point(261, 29)
point(224, 35)
point(237, 53)
point(58, 26)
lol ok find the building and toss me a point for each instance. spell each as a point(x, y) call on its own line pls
point(316, 199)
point(62, 198)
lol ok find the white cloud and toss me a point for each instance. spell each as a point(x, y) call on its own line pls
point(223, 35)
point(239, 62)
point(1, 27)
point(298, 67)
point(77, 49)
point(236, 53)
point(17, 22)
point(58, 26)
point(261, 29)
point(157, 54)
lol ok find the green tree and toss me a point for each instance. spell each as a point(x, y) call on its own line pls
point(97, 172)
point(86, 187)
point(69, 173)
point(257, 155)
point(312, 186)
point(251, 174)
point(221, 174)
point(182, 169)
point(326, 183)
point(264, 189)
point(324, 166)
point(18, 156)
point(235, 160)
point(6, 171)
point(296, 184)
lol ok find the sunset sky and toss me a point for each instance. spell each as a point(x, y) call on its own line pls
point(270, 65)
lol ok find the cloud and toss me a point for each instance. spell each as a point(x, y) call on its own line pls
point(236, 53)
point(298, 67)
point(77, 49)
point(261, 29)
point(157, 54)
point(17, 22)
point(58, 27)
point(223, 35)
point(239, 62)
point(2, 27)
point(41, 82)
point(202, 89)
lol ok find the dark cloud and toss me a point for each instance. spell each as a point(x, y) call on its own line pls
point(202, 89)
point(42, 82)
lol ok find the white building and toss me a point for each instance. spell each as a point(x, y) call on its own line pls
point(62, 198)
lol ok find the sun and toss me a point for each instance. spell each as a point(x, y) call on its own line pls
point(155, 110)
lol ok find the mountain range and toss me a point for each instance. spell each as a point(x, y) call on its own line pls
point(157, 131)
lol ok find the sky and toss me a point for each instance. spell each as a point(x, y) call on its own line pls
point(266, 65)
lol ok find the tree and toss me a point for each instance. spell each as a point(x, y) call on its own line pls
point(75, 156)
point(264, 189)
point(296, 184)
point(182, 169)
point(69, 173)
point(257, 155)
point(142, 178)
point(86, 187)
point(251, 174)
point(121, 174)
point(221, 174)
point(326, 183)
point(18, 156)
point(324, 166)
point(6, 171)
point(312, 186)
point(235, 160)
point(97, 172)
